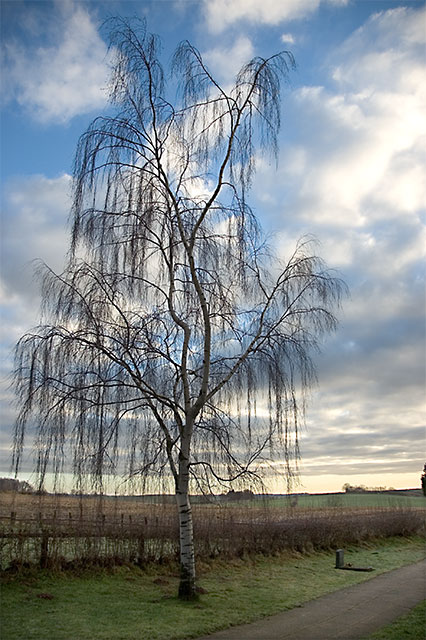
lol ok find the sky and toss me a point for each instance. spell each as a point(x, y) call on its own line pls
point(351, 172)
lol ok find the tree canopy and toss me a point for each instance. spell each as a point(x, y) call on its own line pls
point(174, 342)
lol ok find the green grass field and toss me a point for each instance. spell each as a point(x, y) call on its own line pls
point(343, 500)
point(409, 627)
point(129, 604)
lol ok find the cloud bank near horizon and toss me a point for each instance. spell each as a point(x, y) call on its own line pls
point(355, 178)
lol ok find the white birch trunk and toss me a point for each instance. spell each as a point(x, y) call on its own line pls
point(186, 538)
point(186, 535)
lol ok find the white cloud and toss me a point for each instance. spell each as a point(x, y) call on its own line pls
point(378, 35)
point(403, 187)
point(225, 63)
point(287, 38)
point(360, 156)
point(67, 77)
point(221, 14)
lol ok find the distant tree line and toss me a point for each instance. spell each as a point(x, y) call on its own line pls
point(238, 495)
point(11, 484)
point(348, 488)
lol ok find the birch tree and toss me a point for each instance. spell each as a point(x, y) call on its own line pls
point(174, 339)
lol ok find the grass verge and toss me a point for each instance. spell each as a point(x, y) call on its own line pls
point(128, 604)
point(412, 626)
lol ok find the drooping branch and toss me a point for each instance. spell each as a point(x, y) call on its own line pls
point(174, 337)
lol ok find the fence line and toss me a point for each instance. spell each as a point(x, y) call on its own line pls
point(117, 538)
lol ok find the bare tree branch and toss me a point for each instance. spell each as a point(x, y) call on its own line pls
point(174, 338)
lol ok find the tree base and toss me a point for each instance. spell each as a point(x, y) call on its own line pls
point(187, 590)
point(188, 597)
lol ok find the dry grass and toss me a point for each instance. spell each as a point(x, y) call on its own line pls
point(65, 530)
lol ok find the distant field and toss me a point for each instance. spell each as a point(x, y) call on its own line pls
point(351, 500)
point(48, 506)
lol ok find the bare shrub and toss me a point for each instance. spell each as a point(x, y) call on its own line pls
point(52, 532)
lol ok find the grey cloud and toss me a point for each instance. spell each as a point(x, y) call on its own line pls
point(352, 173)
point(34, 227)
point(364, 467)
point(366, 440)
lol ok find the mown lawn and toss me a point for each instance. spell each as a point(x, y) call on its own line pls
point(128, 603)
point(409, 627)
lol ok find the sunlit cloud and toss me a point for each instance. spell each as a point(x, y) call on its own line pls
point(287, 38)
point(220, 14)
point(67, 75)
point(226, 62)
